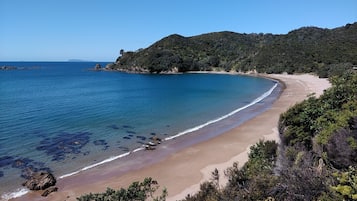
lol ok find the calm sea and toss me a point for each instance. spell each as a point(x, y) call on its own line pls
point(62, 117)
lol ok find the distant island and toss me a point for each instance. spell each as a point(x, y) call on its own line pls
point(307, 49)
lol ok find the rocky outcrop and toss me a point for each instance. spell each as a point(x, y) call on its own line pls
point(49, 190)
point(8, 68)
point(97, 67)
point(40, 181)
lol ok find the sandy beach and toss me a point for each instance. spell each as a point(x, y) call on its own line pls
point(182, 172)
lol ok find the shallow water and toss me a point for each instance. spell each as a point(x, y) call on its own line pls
point(62, 117)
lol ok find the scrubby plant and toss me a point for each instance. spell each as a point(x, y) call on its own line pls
point(137, 191)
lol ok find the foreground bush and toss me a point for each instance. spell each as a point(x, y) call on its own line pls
point(138, 191)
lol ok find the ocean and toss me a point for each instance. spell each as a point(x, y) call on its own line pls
point(64, 117)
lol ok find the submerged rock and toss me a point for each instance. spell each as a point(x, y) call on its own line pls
point(6, 160)
point(64, 144)
point(40, 181)
point(99, 142)
point(113, 126)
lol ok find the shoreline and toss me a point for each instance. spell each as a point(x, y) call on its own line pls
point(160, 163)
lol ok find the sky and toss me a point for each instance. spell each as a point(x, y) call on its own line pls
point(96, 30)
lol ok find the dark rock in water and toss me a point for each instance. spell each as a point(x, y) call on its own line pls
point(152, 133)
point(131, 132)
point(143, 138)
point(126, 126)
point(64, 144)
point(8, 68)
point(21, 163)
point(6, 160)
point(97, 67)
point(28, 166)
point(127, 138)
point(40, 181)
point(113, 127)
point(49, 190)
point(27, 172)
point(1, 174)
point(99, 142)
point(30, 169)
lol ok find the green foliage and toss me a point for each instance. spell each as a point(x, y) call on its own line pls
point(253, 181)
point(136, 191)
point(323, 116)
point(347, 183)
point(298, 123)
point(262, 157)
point(308, 49)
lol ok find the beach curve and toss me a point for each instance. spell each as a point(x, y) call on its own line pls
point(182, 172)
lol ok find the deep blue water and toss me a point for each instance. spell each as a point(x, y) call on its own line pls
point(63, 117)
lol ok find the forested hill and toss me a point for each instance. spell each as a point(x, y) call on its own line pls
point(308, 49)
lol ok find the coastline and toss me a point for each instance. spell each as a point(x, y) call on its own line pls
point(171, 169)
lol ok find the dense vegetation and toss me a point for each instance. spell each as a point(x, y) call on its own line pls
point(317, 159)
point(308, 49)
point(136, 191)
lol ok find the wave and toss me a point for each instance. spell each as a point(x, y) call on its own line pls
point(257, 100)
point(18, 193)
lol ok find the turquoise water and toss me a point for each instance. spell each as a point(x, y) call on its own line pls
point(62, 117)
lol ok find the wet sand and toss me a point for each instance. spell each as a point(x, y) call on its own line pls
point(181, 172)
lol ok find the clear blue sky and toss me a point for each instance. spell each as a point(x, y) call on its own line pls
point(57, 30)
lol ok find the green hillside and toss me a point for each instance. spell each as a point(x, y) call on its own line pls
point(308, 49)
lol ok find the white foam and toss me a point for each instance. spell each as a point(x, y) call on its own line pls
point(18, 193)
point(138, 149)
point(96, 164)
point(257, 100)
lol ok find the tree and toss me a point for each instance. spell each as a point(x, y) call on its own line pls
point(121, 52)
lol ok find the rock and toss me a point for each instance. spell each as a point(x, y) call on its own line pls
point(97, 67)
point(148, 147)
point(8, 68)
point(110, 66)
point(49, 190)
point(6, 160)
point(64, 144)
point(40, 181)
